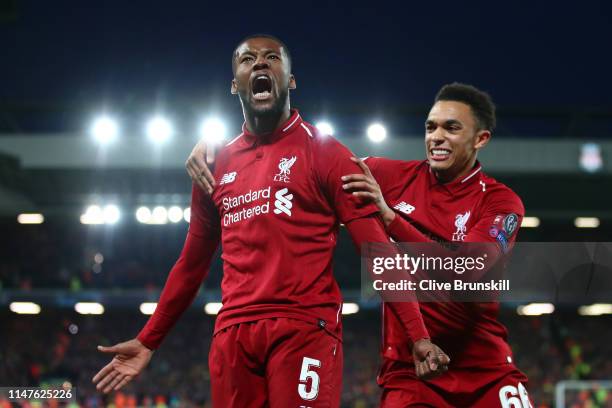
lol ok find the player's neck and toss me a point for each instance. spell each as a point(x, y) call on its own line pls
point(449, 176)
point(261, 125)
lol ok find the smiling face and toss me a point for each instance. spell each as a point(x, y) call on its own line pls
point(262, 76)
point(452, 139)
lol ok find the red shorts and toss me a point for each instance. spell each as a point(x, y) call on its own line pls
point(275, 363)
point(502, 387)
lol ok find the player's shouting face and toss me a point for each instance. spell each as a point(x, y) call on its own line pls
point(452, 139)
point(262, 76)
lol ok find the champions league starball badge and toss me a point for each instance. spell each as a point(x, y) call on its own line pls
point(510, 223)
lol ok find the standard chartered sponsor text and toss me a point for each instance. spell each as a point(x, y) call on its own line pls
point(245, 213)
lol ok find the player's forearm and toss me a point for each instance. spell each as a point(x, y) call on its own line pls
point(370, 229)
point(180, 289)
point(402, 231)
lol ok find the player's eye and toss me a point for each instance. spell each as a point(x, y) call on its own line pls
point(247, 59)
point(274, 57)
point(430, 128)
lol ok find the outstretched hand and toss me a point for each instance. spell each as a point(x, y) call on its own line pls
point(130, 358)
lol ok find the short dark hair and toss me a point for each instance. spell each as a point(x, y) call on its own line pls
point(269, 36)
point(479, 101)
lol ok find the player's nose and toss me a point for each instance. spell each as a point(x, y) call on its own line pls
point(261, 63)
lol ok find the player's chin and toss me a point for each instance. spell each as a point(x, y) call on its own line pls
point(439, 165)
point(263, 107)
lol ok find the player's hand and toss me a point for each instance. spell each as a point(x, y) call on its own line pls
point(130, 358)
point(366, 188)
point(197, 165)
point(429, 360)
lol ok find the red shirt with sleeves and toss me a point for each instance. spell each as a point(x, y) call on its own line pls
point(277, 209)
point(280, 201)
point(467, 210)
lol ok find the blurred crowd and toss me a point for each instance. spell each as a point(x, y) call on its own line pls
point(59, 347)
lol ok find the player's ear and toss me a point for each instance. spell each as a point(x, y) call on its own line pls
point(234, 87)
point(292, 84)
point(482, 138)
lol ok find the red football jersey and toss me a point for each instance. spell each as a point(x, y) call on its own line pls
point(465, 210)
point(279, 202)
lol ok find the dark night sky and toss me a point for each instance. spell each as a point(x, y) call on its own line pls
point(373, 53)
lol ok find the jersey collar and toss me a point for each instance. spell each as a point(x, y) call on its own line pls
point(471, 178)
point(294, 122)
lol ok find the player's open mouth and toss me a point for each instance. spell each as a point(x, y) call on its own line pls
point(262, 87)
point(439, 154)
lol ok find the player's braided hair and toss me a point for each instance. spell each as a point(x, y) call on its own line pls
point(269, 36)
point(479, 101)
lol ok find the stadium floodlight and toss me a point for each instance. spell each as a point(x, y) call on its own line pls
point(350, 308)
point(30, 218)
point(187, 214)
point(212, 308)
point(596, 309)
point(586, 222)
point(148, 308)
point(377, 132)
point(104, 130)
point(24, 307)
point(325, 128)
point(159, 129)
point(93, 215)
point(175, 214)
point(213, 131)
point(535, 309)
point(89, 308)
point(143, 215)
point(530, 222)
point(111, 214)
point(159, 215)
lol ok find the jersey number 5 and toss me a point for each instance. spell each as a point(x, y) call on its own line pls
point(306, 373)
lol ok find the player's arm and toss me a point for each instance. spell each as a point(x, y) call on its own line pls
point(429, 359)
point(332, 160)
point(181, 287)
point(503, 204)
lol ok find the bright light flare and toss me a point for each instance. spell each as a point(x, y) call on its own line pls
point(350, 308)
point(325, 128)
point(147, 308)
point(212, 308)
point(377, 132)
point(159, 130)
point(24, 307)
point(89, 308)
point(30, 218)
point(143, 215)
point(530, 222)
point(213, 131)
point(175, 214)
point(596, 309)
point(535, 309)
point(104, 130)
point(586, 222)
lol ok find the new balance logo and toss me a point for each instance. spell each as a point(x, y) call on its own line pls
point(228, 178)
point(404, 207)
point(283, 202)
